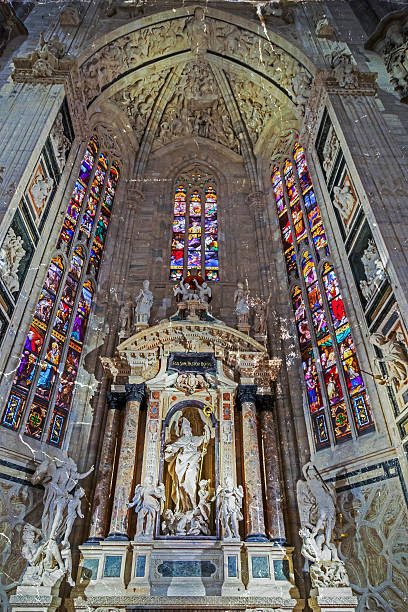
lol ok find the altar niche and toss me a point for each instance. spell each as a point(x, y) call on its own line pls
point(189, 469)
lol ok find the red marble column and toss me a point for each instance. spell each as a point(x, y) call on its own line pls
point(100, 505)
point(126, 463)
point(275, 527)
point(254, 513)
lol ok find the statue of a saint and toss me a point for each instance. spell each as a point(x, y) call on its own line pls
point(146, 502)
point(197, 29)
point(143, 304)
point(184, 456)
point(229, 503)
point(395, 356)
point(241, 305)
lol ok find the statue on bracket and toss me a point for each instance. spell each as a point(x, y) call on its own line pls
point(229, 503)
point(126, 318)
point(316, 502)
point(143, 304)
point(395, 356)
point(146, 502)
point(241, 304)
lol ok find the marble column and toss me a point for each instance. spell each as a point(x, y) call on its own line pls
point(126, 464)
point(115, 402)
point(254, 513)
point(275, 527)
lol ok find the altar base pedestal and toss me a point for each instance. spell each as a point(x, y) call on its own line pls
point(36, 599)
point(332, 599)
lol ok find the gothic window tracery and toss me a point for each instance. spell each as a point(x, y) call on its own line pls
point(194, 246)
point(41, 396)
point(337, 399)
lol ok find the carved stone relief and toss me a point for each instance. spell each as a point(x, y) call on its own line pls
point(197, 108)
point(373, 269)
point(137, 100)
point(330, 150)
point(60, 142)
point(375, 546)
point(11, 254)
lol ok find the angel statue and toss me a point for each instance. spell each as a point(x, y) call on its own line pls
point(316, 502)
point(146, 502)
point(229, 504)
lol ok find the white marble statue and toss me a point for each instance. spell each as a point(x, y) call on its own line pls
point(11, 254)
point(229, 503)
point(40, 191)
point(204, 499)
point(184, 456)
point(143, 304)
point(126, 317)
point(49, 561)
point(241, 305)
point(395, 356)
point(316, 502)
point(146, 502)
point(204, 292)
point(261, 308)
point(182, 293)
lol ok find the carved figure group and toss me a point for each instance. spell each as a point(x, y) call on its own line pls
point(344, 200)
point(191, 383)
point(146, 502)
point(11, 254)
point(48, 560)
point(229, 503)
point(395, 357)
point(373, 269)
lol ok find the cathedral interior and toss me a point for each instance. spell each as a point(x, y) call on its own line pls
point(203, 305)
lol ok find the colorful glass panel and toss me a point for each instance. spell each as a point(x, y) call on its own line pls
point(211, 235)
point(300, 317)
point(103, 221)
point(94, 197)
point(284, 223)
point(290, 182)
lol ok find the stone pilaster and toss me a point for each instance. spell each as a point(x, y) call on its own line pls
point(254, 513)
point(115, 402)
point(126, 464)
point(275, 527)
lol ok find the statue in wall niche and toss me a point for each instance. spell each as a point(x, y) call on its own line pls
point(47, 549)
point(344, 200)
point(395, 357)
point(184, 456)
point(373, 269)
point(316, 502)
point(60, 142)
point(229, 504)
point(241, 304)
point(143, 304)
point(11, 254)
point(146, 502)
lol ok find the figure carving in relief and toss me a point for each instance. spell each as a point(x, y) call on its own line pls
point(146, 502)
point(184, 456)
point(261, 308)
point(395, 356)
point(126, 317)
point(41, 190)
point(60, 141)
point(344, 200)
point(241, 304)
point(301, 89)
point(330, 150)
point(197, 30)
point(229, 503)
point(191, 383)
point(143, 304)
point(11, 254)
point(316, 502)
point(373, 269)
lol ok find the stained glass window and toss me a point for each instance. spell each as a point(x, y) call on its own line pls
point(334, 385)
point(44, 383)
point(194, 246)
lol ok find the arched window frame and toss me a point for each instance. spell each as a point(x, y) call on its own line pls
point(320, 256)
point(85, 238)
point(188, 180)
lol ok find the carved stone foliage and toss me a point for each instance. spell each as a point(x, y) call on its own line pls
point(375, 546)
point(197, 108)
point(390, 40)
point(137, 100)
point(256, 103)
point(373, 269)
point(11, 254)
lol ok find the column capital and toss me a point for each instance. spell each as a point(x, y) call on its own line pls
point(246, 393)
point(115, 400)
point(135, 392)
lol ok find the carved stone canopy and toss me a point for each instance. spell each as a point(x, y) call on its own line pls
point(139, 358)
